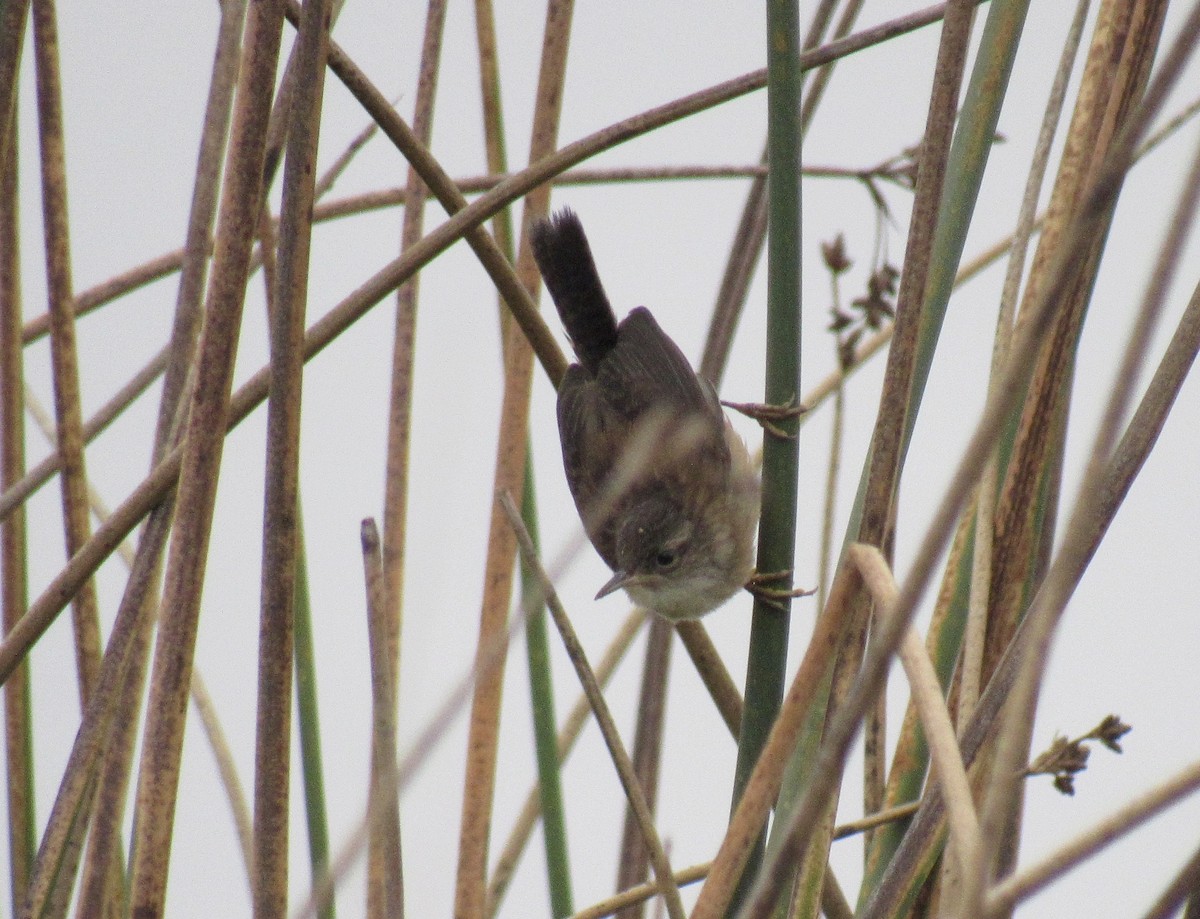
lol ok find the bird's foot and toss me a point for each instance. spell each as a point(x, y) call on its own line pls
point(769, 415)
point(758, 583)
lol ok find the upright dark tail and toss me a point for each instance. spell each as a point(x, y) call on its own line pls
point(561, 250)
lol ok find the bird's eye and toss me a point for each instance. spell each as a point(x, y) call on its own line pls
point(666, 559)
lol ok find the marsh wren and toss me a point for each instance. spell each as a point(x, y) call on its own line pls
point(678, 533)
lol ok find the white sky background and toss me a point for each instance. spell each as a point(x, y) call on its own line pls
point(135, 79)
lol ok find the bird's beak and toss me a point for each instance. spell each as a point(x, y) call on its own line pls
point(615, 583)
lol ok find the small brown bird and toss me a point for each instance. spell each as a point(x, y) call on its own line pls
point(679, 534)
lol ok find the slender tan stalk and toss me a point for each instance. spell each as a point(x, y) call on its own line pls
point(1012, 890)
point(39, 475)
point(272, 773)
point(18, 725)
point(471, 885)
point(899, 812)
point(65, 373)
point(64, 361)
point(407, 767)
point(639, 894)
point(510, 853)
point(399, 430)
point(931, 704)
point(197, 246)
point(13, 18)
point(395, 505)
point(201, 699)
point(633, 860)
point(203, 442)
point(385, 880)
point(889, 440)
point(713, 673)
point(495, 146)
point(243, 822)
point(612, 739)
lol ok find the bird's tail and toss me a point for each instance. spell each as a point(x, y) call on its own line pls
point(561, 250)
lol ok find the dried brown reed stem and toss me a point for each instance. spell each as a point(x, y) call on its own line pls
point(1016, 888)
point(65, 374)
point(399, 431)
point(470, 900)
point(385, 885)
point(510, 852)
point(974, 639)
point(931, 705)
point(893, 421)
point(272, 773)
point(63, 354)
point(203, 443)
point(612, 739)
point(121, 676)
point(1131, 453)
point(407, 766)
point(14, 587)
point(1107, 135)
point(764, 782)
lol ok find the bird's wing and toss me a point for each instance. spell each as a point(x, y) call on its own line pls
point(591, 435)
point(647, 369)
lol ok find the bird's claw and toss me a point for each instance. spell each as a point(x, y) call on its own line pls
point(769, 415)
point(774, 596)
